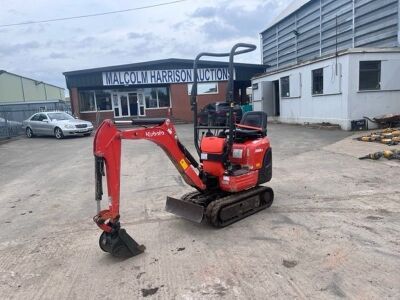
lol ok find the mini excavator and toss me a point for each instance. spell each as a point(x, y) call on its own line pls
point(234, 160)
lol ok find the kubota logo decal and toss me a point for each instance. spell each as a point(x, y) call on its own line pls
point(154, 133)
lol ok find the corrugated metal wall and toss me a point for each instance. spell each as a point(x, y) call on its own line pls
point(311, 31)
point(12, 115)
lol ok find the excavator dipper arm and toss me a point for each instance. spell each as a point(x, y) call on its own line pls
point(107, 152)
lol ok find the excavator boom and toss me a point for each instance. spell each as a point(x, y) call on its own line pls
point(107, 152)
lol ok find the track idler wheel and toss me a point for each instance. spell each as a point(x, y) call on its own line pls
point(267, 198)
point(120, 244)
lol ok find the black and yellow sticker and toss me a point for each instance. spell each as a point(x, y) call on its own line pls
point(183, 164)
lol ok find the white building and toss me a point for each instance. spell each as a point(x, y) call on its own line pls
point(357, 83)
point(331, 61)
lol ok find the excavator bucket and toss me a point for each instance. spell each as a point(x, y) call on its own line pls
point(184, 209)
point(120, 244)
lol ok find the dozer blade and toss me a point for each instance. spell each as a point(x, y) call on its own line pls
point(185, 209)
point(120, 244)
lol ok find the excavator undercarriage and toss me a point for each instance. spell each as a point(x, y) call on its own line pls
point(220, 209)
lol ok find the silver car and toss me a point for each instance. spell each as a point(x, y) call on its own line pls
point(59, 124)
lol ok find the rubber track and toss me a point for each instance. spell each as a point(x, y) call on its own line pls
point(215, 207)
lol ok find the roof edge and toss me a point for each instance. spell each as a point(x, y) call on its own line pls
point(329, 56)
point(160, 61)
point(291, 9)
point(21, 76)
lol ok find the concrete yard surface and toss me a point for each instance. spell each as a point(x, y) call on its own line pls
point(332, 232)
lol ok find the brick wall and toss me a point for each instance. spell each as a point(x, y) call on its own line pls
point(157, 113)
point(73, 94)
point(92, 116)
point(181, 108)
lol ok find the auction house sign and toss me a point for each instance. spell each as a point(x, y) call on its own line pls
point(163, 76)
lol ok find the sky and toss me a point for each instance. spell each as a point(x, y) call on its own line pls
point(181, 30)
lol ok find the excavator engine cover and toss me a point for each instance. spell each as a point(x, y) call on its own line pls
point(212, 149)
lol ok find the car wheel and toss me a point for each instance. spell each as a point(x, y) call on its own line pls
point(58, 133)
point(29, 132)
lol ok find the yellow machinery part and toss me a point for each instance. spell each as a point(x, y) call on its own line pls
point(388, 154)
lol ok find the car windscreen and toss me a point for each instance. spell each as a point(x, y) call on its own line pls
point(60, 116)
point(223, 104)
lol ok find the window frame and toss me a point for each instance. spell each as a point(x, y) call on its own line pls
point(95, 101)
point(313, 82)
point(34, 116)
point(158, 100)
point(94, 98)
point(189, 87)
point(41, 117)
point(280, 81)
point(360, 71)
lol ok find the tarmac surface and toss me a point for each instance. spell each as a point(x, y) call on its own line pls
point(332, 232)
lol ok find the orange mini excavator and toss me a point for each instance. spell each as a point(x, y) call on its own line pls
point(234, 161)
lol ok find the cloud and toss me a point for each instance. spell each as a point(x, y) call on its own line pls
point(7, 49)
point(234, 21)
point(205, 12)
point(58, 55)
point(45, 51)
point(134, 35)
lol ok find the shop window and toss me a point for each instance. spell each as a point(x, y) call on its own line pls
point(150, 96)
point(285, 86)
point(103, 100)
point(87, 101)
point(156, 97)
point(318, 81)
point(163, 97)
point(370, 75)
point(204, 88)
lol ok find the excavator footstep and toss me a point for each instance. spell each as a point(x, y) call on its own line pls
point(185, 209)
point(120, 244)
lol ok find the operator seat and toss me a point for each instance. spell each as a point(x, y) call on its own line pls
point(253, 119)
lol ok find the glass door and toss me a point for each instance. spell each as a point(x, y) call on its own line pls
point(123, 102)
point(128, 104)
point(115, 104)
point(141, 104)
point(133, 104)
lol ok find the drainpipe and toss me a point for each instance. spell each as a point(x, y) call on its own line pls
point(45, 91)
point(22, 85)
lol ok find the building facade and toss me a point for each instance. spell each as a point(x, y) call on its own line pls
point(331, 61)
point(20, 97)
point(153, 89)
point(334, 89)
point(309, 29)
point(19, 89)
